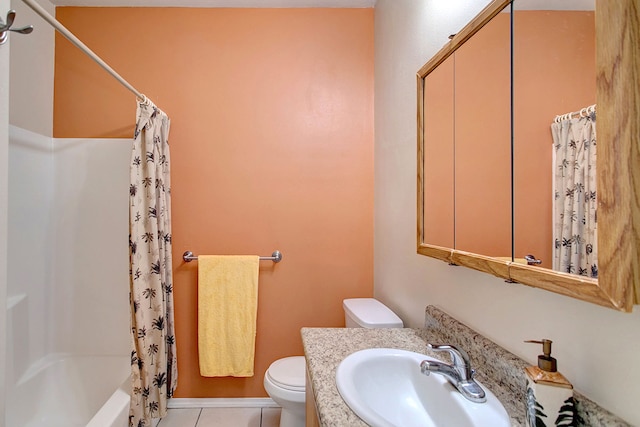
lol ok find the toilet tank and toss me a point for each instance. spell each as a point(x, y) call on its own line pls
point(369, 313)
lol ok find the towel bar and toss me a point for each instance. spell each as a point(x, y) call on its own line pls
point(276, 256)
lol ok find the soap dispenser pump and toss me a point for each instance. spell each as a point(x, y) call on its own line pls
point(549, 394)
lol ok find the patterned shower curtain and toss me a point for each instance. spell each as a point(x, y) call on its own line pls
point(575, 230)
point(153, 355)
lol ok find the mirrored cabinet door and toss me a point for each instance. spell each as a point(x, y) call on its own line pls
point(483, 140)
point(438, 155)
point(554, 74)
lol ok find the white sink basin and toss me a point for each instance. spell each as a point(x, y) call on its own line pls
point(385, 388)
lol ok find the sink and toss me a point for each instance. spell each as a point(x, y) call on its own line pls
point(385, 388)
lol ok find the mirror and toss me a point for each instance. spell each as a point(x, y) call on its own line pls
point(438, 159)
point(464, 204)
point(467, 117)
point(554, 72)
point(482, 160)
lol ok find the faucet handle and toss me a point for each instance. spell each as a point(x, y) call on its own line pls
point(459, 357)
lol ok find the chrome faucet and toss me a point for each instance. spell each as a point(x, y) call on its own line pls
point(459, 373)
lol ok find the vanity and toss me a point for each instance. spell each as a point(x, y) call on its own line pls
point(497, 369)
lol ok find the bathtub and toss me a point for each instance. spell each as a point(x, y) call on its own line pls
point(71, 391)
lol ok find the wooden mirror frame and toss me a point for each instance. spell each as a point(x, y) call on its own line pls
point(618, 165)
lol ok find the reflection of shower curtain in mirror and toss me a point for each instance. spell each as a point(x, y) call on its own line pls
point(575, 231)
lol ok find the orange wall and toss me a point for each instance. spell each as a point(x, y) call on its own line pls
point(272, 148)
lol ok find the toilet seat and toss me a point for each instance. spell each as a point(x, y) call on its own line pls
point(288, 373)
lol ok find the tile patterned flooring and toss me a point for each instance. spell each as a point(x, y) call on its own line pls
point(221, 417)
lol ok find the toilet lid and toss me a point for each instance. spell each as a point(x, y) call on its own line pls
point(288, 373)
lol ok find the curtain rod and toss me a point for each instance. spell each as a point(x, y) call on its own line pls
point(586, 111)
point(83, 47)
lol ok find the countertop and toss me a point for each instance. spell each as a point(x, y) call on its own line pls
point(497, 369)
point(325, 348)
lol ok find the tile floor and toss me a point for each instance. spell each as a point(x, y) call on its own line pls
point(221, 417)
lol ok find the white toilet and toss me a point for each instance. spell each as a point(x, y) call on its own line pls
point(284, 381)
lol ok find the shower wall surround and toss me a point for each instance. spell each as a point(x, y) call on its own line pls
point(91, 263)
point(30, 193)
point(30, 239)
point(67, 270)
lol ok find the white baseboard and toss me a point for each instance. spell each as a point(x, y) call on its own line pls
point(221, 402)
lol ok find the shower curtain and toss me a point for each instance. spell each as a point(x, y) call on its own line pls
point(575, 231)
point(153, 355)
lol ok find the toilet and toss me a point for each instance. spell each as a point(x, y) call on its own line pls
point(284, 381)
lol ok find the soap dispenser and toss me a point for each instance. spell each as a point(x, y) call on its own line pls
point(549, 394)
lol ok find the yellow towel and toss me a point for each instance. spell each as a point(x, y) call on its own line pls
point(227, 310)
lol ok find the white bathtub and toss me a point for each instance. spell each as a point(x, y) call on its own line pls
point(71, 391)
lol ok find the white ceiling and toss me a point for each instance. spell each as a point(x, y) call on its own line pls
point(217, 3)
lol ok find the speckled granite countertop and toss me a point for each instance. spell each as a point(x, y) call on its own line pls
point(497, 369)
